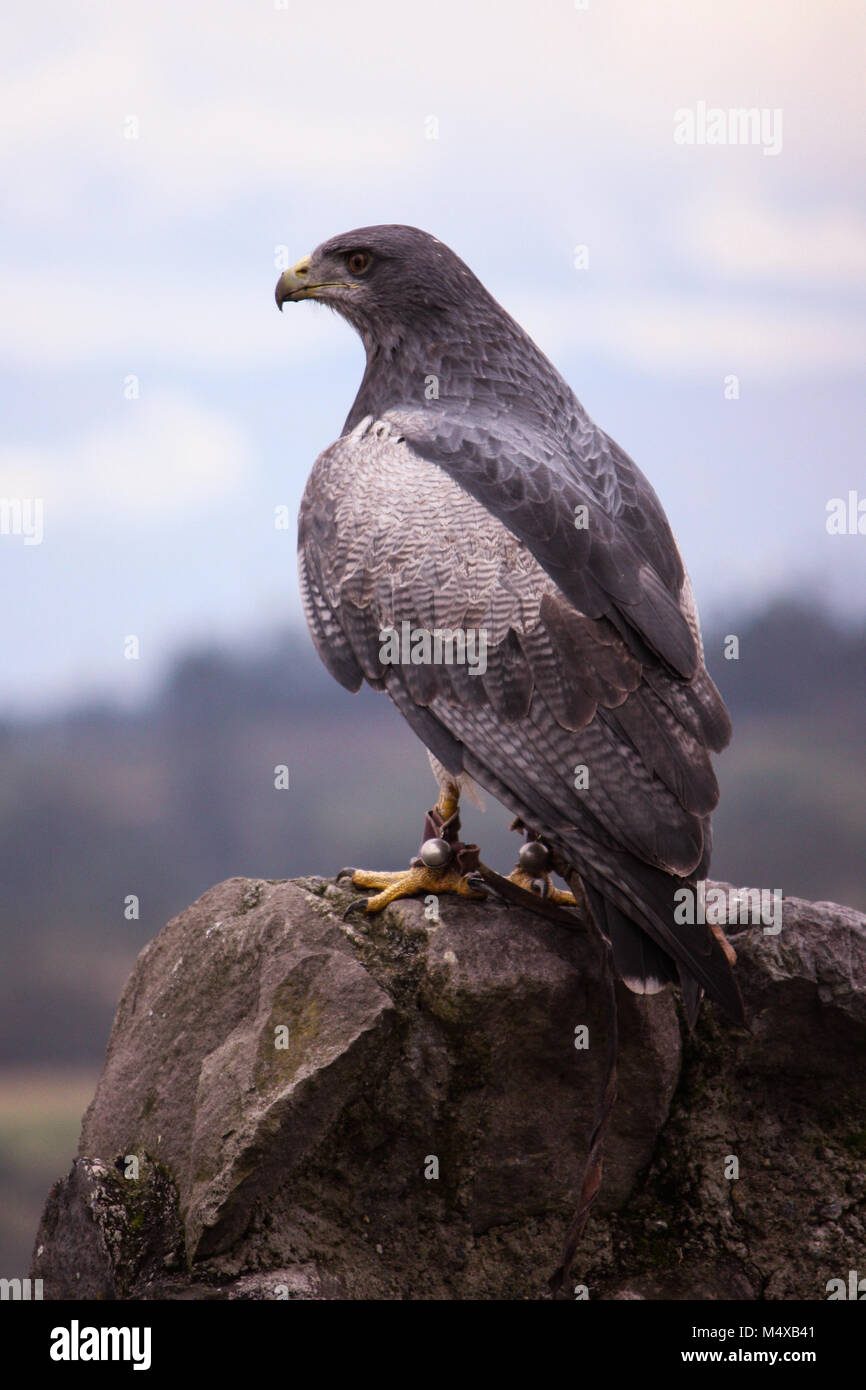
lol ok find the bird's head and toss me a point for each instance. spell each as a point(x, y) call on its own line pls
point(390, 282)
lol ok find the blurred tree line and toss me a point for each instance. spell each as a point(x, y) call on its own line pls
point(100, 806)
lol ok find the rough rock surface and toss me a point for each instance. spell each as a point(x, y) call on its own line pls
point(395, 1107)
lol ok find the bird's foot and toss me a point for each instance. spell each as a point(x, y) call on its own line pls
point(542, 887)
point(532, 874)
point(444, 865)
point(418, 878)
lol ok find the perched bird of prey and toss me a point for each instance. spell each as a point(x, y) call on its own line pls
point(470, 495)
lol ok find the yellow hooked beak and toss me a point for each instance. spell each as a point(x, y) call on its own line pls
point(296, 284)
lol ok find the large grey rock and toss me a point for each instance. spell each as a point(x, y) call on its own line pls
point(416, 1047)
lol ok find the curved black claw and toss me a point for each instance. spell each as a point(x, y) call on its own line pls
point(354, 905)
point(344, 873)
point(477, 883)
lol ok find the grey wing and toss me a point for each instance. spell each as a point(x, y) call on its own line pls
point(386, 537)
point(620, 561)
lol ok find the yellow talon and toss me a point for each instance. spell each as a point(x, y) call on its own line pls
point(405, 883)
point(551, 894)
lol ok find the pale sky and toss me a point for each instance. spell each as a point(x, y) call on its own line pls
point(156, 160)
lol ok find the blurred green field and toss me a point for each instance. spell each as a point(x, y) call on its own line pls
point(40, 1119)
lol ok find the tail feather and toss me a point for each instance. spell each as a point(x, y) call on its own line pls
point(692, 996)
point(639, 901)
point(643, 965)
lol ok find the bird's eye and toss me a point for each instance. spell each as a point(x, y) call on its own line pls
point(358, 262)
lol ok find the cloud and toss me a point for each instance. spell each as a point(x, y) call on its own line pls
point(697, 334)
point(233, 98)
point(747, 239)
point(160, 457)
point(570, 110)
point(118, 316)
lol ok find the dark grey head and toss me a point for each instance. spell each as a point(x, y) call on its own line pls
point(422, 314)
point(390, 282)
